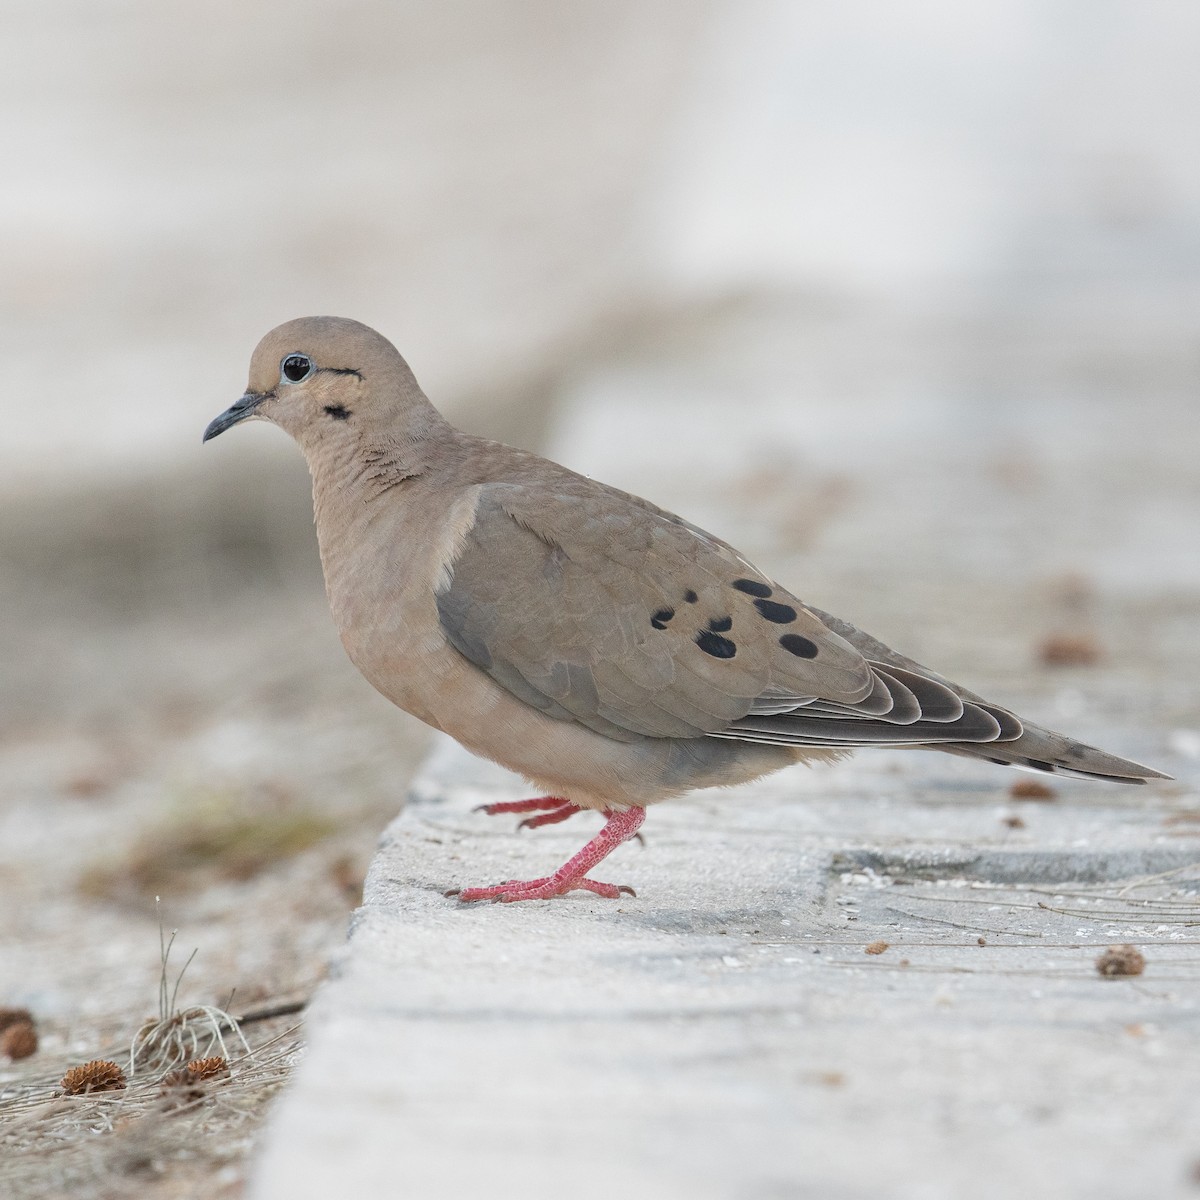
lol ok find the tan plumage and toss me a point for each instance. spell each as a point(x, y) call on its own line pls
point(609, 651)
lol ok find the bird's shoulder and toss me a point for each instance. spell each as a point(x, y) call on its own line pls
point(560, 504)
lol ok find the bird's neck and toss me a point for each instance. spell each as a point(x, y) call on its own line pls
point(362, 480)
point(353, 465)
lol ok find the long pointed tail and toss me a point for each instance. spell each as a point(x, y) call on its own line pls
point(1045, 750)
point(1036, 749)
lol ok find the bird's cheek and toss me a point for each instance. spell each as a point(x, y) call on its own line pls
point(287, 414)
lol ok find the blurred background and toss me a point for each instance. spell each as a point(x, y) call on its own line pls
point(903, 296)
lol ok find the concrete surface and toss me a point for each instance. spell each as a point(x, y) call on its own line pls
point(726, 1035)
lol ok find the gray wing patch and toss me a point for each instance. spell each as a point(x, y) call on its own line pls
point(591, 609)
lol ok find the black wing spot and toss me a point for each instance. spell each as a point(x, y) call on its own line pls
point(781, 614)
point(1000, 762)
point(720, 624)
point(690, 596)
point(337, 412)
point(714, 644)
point(801, 647)
point(1040, 764)
point(752, 588)
point(660, 618)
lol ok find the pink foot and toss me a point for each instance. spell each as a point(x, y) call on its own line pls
point(572, 875)
point(560, 810)
point(540, 889)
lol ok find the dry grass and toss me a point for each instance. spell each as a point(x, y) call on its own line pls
point(209, 836)
point(97, 1128)
point(179, 1036)
point(106, 1141)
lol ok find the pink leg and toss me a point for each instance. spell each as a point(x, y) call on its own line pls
point(572, 875)
point(511, 806)
point(561, 813)
point(560, 810)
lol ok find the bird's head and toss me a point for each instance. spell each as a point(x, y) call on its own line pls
point(317, 376)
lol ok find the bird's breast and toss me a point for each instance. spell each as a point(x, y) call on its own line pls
point(383, 565)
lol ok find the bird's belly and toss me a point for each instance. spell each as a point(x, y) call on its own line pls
point(562, 758)
point(413, 665)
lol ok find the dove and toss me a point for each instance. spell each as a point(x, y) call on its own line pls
point(610, 652)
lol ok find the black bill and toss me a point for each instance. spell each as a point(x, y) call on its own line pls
point(233, 414)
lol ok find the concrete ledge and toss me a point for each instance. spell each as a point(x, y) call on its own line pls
point(726, 1035)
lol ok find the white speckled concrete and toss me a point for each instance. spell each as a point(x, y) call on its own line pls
point(725, 1034)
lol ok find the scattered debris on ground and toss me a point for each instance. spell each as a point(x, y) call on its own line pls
point(1121, 960)
point(1069, 650)
point(19, 1041)
point(1031, 789)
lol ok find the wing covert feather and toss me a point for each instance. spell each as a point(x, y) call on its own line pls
point(594, 608)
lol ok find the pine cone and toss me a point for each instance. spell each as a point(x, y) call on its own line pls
point(14, 1016)
point(99, 1075)
point(185, 1085)
point(202, 1069)
point(19, 1040)
point(1121, 960)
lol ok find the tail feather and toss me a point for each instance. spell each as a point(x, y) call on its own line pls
point(1020, 744)
point(1052, 753)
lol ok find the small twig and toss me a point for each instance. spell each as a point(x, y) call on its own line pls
point(285, 1009)
point(1113, 918)
point(1098, 913)
point(948, 899)
point(1145, 879)
point(255, 1055)
point(963, 925)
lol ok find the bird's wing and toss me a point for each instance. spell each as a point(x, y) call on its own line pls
point(596, 608)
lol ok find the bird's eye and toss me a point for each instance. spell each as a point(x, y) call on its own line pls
point(296, 367)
